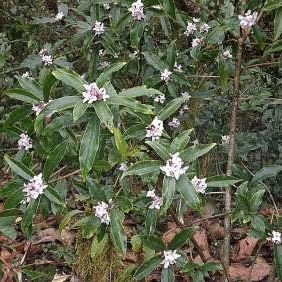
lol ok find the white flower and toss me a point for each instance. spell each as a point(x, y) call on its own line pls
point(102, 52)
point(151, 194)
point(123, 167)
point(155, 129)
point(248, 20)
point(204, 28)
point(170, 258)
point(196, 20)
point(101, 211)
point(137, 11)
point(165, 75)
point(275, 237)
point(174, 123)
point(186, 95)
point(33, 188)
point(104, 64)
point(24, 142)
point(107, 6)
point(196, 42)
point(94, 93)
point(98, 28)
point(160, 99)
point(191, 27)
point(43, 52)
point(178, 67)
point(199, 184)
point(195, 142)
point(59, 16)
point(227, 54)
point(225, 139)
point(47, 60)
point(174, 166)
point(184, 109)
point(27, 75)
point(133, 55)
point(38, 107)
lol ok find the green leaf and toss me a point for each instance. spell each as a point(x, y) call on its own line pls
point(258, 223)
point(70, 78)
point(22, 95)
point(66, 219)
point(49, 82)
point(259, 36)
point(78, 110)
point(120, 144)
point(143, 167)
point(104, 114)
point(222, 181)
point(278, 260)
point(136, 33)
point(19, 168)
point(7, 227)
point(151, 220)
point(192, 153)
point(31, 86)
point(147, 267)
point(131, 103)
point(160, 149)
point(167, 275)
point(170, 108)
point(278, 24)
point(153, 242)
point(256, 200)
point(61, 104)
point(97, 248)
point(178, 144)
point(266, 172)
point(53, 196)
point(155, 61)
point(17, 114)
point(53, 159)
point(90, 227)
point(117, 232)
point(107, 74)
point(180, 238)
point(29, 213)
point(89, 146)
point(168, 192)
point(272, 5)
point(139, 91)
point(10, 212)
point(169, 7)
point(188, 192)
point(171, 54)
point(275, 47)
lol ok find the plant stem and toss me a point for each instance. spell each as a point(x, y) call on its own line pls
point(230, 160)
point(65, 176)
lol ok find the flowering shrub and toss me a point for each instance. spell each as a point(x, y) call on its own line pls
point(117, 121)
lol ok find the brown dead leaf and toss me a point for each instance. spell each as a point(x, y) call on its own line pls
point(67, 237)
point(47, 235)
point(202, 240)
point(246, 248)
point(260, 270)
point(208, 209)
point(131, 257)
point(60, 277)
point(169, 235)
point(216, 230)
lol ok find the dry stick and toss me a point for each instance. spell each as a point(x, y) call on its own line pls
point(233, 122)
point(207, 218)
point(65, 176)
point(262, 64)
point(254, 261)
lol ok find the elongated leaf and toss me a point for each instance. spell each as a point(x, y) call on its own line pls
point(155, 61)
point(31, 86)
point(107, 74)
point(160, 149)
point(97, 248)
point(29, 213)
point(104, 114)
point(61, 104)
point(168, 192)
point(278, 24)
point(147, 267)
point(79, 109)
point(49, 82)
point(7, 227)
point(19, 168)
point(136, 33)
point(139, 91)
point(167, 275)
point(70, 78)
point(154, 243)
point(151, 221)
point(117, 232)
point(188, 192)
point(192, 153)
point(89, 146)
point(120, 144)
point(171, 54)
point(169, 8)
point(143, 167)
point(266, 172)
point(275, 47)
point(135, 105)
point(180, 238)
point(53, 196)
point(17, 114)
point(170, 108)
point(90, 226)
point(68, 217)
point(22, 95)
point(179, 143)
point(53, 159)
point(222, 181)
point(10, 212)
point(278, 260)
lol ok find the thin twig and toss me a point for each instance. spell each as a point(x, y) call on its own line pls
point(254, 261)
point(65, 176)
point(207, 218)
point(262, 64)
point(58, 171)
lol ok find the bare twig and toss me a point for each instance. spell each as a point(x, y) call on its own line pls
point(207, 218)
point(65, 176)
point(262, 64)
point(58, 171)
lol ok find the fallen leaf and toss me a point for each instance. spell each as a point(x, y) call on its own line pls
point(67, 237)
point(201, 238)
point(246, 248)
point(60, 277)
point(208, 209)
point(216, 230)
point(172, 231)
